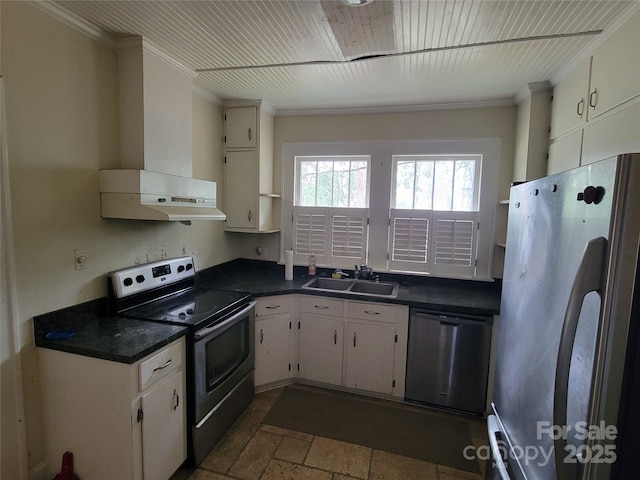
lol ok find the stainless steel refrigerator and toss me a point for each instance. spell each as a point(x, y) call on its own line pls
point(566, 391)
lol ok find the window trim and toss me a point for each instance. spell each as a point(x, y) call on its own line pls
point(380, 182)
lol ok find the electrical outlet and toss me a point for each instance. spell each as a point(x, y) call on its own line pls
point(80, 255)
point(260, 252)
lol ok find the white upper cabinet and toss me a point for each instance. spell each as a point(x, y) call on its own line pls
point(569, 107)
point(250, 202)
point(595, 112)
point(241, 127)
point(615, 71)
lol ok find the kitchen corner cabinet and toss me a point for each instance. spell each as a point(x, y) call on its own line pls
point(119, 420)
point(275, 337)
point(250, 202)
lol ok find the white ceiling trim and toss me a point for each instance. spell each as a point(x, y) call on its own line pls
point(76, 22)
point(505, 102)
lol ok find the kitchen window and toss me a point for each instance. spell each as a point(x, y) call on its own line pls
point(423, 206)
point(330, 209)
point(434, 213)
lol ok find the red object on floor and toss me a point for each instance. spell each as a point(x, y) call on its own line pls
point(66, 472)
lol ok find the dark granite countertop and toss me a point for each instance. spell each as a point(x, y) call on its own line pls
point(438, 294)
point(126, 340)
point(96, 334)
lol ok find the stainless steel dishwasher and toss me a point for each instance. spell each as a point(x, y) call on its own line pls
point(448, 360)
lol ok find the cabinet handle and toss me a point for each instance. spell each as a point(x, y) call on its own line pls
point(354, 339)
point(593, 98)
point(167, 363)
point(249, 134)
point(371, 312)
point(272, 307)
point(177, 400)
point(321, 307)
point(249, 215)
point(335, 337)
point(580, 107)
point(261, 336)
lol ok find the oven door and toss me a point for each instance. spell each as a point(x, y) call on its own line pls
point(224, 354)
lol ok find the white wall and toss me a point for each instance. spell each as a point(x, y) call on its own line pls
point(61, 90)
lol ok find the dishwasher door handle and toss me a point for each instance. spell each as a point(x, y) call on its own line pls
point(449, 324)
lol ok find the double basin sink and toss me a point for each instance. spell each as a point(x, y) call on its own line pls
point(357, 287)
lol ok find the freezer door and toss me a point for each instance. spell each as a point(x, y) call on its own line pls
point(551, 220)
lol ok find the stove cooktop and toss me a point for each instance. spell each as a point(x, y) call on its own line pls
point(165, 291)
point(195, 307)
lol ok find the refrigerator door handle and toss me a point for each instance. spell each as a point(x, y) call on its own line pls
point(589, 278)
point(497, 452)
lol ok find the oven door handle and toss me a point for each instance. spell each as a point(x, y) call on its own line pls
point(200, 334)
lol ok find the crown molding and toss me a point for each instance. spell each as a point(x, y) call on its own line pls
point(530, 88)
point(75, 22)
point(136, 41)
point(504, 102)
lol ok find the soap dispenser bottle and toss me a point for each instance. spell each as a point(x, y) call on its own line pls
point(312, 264)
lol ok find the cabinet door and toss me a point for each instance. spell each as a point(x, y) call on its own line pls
point(321, 342)
point(370, 354)
point(241, 127)
point(569, 107)
point(272, 349)
point(241, 189)
point(613, 134)
point(615, 70)
point(565, 154)
point(163, 429)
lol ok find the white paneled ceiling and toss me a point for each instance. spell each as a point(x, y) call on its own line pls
point(321, 54)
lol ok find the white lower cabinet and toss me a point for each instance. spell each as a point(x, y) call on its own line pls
point(162, 428)
point(330, 341)
point(353, 344)
point(376, 347)
point(275, 338)
point(119, 420)
point(369, 362)
point(272, 349)
point(321, 342)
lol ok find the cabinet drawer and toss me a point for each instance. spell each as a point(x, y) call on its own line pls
point(272, 306)
point(322, 306)
point(161, 364)
point(378, 312)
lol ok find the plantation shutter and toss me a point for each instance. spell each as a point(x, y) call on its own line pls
point(336, 236)
point(348, 235)
point(409, 240)
point(454, 244)
point(310, 234)
point(437, 242)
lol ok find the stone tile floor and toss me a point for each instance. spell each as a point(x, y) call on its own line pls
point(251, 450)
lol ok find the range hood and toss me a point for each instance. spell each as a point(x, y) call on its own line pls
point(155, 179)
point(146, 195)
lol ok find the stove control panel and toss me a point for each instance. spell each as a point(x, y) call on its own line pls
point(140, 278)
